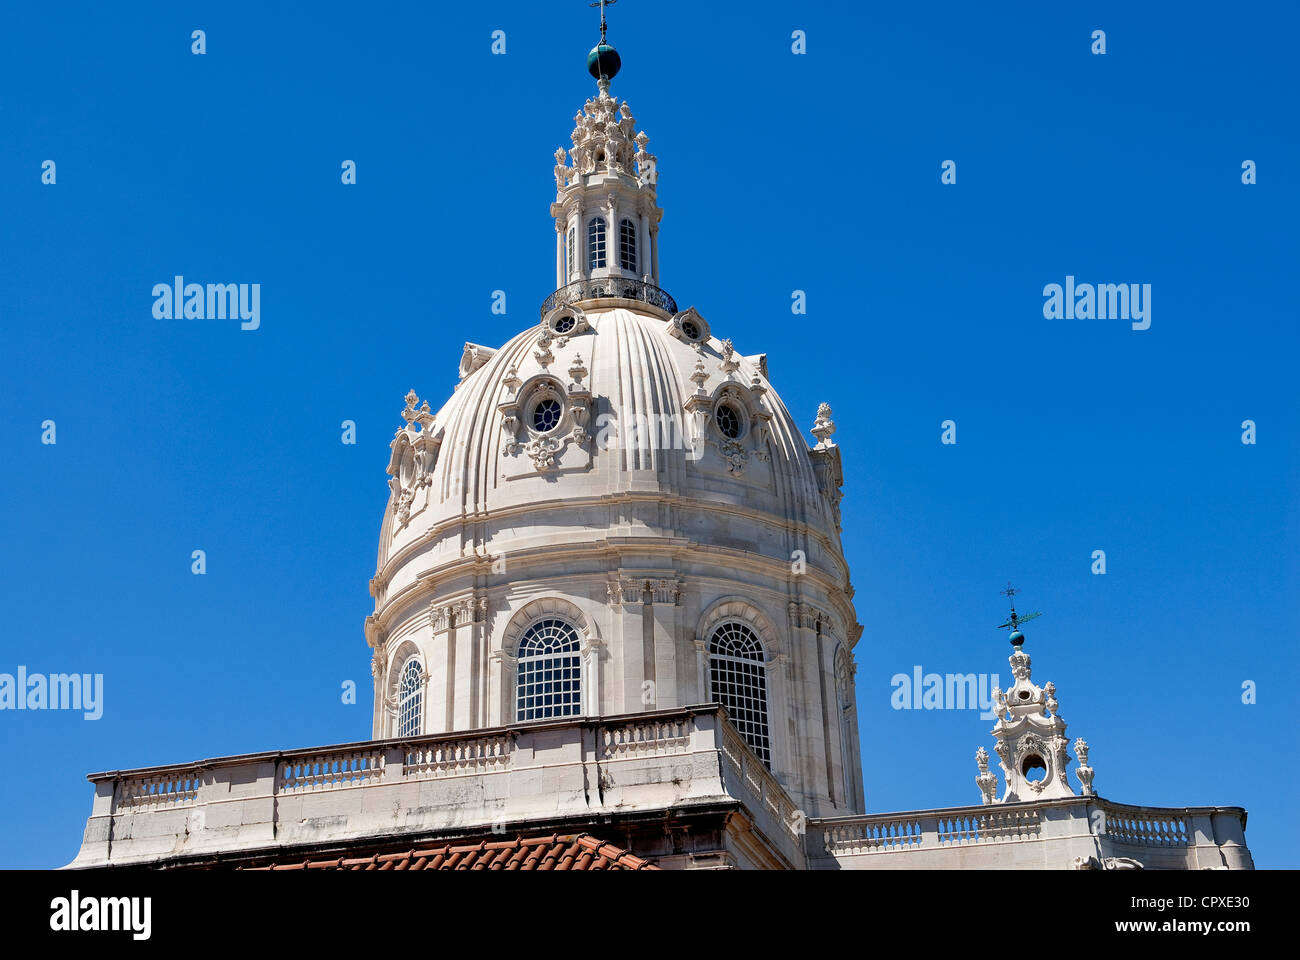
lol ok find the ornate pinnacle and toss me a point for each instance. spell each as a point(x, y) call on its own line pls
point(699, 376)
point(823, 426)
point(411, 400)
point(729, 362)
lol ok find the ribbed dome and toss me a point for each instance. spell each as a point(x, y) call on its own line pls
point(649, 429)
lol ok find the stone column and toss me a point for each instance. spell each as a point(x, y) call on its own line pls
point(559, 253)
point(808, 747)
point(643, 247)
point(611, 237)
point(666, 598)
point(583, 260)
point(633, 643)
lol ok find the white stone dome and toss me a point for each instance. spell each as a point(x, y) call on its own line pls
point(614, 513)
point(641, 437)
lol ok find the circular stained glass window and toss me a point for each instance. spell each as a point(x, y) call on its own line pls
point(546, 415)
point(728, 420)
point(691, 330)
point(565, 324)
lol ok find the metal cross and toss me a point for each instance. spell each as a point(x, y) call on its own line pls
point(1016, 619)
point(601, 4)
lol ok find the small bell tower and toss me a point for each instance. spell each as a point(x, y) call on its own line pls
point(1030, 734)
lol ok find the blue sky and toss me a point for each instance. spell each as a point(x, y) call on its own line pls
point(778, 172)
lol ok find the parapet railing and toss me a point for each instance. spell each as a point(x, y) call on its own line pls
point(1177, 830)
point(615, 287)
point(661, 733)
point(1143, 825)
point(174, 788)
point(450, 758)
point(762, 785)
point(325, 771)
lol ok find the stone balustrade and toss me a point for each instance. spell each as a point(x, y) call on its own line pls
point(578, 768)
point(1046, 834)
point(751, 782)
point(169, 789)
point(467, 782)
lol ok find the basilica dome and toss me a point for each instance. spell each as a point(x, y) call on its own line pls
point(614, 513)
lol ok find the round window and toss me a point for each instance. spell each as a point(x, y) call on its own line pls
point(546, 415)
point(690, 330)
point(728, 420)
point(565, 323)
point(1033, 768)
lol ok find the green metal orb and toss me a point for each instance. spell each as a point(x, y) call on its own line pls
point(603, 61)
point(1017, 638)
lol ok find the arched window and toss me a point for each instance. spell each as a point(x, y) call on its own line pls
point(627, 245)
point(571, 244)
point(550, 682)
point(410, 699)
point(596, 243)
point(738, 681)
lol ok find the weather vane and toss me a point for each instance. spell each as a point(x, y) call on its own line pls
point(1016, 619)
point(602, 4)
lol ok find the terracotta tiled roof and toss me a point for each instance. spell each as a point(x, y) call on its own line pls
point(554, 852)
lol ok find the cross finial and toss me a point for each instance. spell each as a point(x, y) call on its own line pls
point(601, 4)
point(1016, 619)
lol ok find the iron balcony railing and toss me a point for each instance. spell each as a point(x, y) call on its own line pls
point(610, 287)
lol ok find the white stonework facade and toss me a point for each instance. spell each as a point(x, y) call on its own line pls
point(632, 517)
point(612, 526)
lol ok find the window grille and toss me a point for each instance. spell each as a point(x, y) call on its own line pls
point(596, 244)
point(627, 245)
point(738, 681)
point(410, 700)
point(728, 421)
point(550, 682)
point(546, 415)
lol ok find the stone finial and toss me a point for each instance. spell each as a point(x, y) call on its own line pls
point(577, 371)
point(729, 362)
point(543, 355)
point(561, 170)
point(409, 413)
point(699, 377)
point(823, 426)
point(987, 781)
point(1085, 772)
